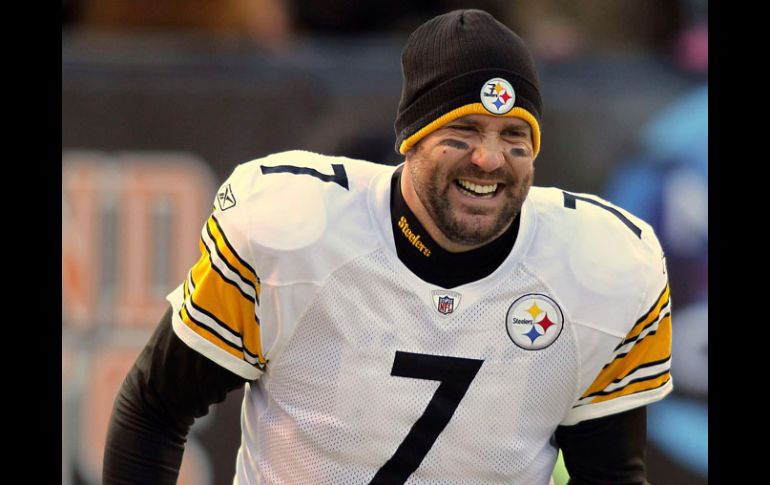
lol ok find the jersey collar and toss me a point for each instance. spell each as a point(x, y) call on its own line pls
point(381, 191)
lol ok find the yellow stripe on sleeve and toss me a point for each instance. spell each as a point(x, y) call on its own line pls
point(209, 335)
point(651, 315)
point(635, 387)
point(228, 310)
point(227, 250)
point(651, 348)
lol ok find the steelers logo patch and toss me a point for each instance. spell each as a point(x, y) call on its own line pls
point(534, 321)
point(497, 96)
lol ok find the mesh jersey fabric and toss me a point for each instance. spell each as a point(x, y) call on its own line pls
point(331, 389)
point(332, 305)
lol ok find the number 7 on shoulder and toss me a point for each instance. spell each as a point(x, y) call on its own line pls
point(339, 177)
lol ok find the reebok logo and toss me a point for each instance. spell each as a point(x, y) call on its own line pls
point(226, 198)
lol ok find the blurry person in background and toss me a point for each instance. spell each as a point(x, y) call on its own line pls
point(441, 321)
point(666, 182)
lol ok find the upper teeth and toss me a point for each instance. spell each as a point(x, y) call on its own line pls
point(479, 189)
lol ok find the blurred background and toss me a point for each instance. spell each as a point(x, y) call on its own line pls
point(160, 100)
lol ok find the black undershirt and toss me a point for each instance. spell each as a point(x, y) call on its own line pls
point(434, 264)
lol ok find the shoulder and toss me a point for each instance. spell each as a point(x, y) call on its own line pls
point(295, 203)
point(607, 268)
point(596, 220)
point(596, 253)
point(301, 175)
point(324, 168)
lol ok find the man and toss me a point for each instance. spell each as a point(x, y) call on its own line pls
point(438, 322)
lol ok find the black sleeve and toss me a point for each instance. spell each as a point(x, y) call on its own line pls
point(168, 387)
point(606, 450)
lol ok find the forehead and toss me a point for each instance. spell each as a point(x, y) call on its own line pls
point(493, 122)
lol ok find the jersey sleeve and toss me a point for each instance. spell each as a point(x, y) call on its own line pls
point(637, 371)
point(216, 308)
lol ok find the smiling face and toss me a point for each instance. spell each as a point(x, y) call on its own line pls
point(467, 181)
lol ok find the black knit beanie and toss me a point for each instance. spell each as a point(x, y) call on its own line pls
point(460, 63)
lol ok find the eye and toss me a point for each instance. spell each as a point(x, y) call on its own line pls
point(515, 134)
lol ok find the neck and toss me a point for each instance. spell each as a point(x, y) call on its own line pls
point(433, 263)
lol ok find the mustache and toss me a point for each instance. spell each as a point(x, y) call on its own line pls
point(497, 175)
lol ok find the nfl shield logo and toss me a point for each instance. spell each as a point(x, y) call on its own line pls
point(446, 304)
point(445, 301)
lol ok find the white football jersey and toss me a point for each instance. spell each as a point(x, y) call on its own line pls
point(364, 373)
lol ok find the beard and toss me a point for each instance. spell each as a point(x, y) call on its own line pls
point(472, 227)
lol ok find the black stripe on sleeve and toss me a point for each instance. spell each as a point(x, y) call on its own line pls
point(213, 332)
point(631, 394)
point(232, 249)
point(633, 381)
point(657, 300)
point(227, 263)
point(652, 323)
point(255, 356)
point(213, 317)
point(642, 366)
point(638, 367)
point(620, 356)
point(224, 278)
point(209, 329)
point(635, 339)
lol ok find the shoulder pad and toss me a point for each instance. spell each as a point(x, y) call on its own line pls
point(600, 256)
point(298, 201)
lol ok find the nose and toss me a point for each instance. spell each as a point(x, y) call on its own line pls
point(489, 155)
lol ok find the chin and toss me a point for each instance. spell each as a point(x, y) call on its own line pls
point(476, 230)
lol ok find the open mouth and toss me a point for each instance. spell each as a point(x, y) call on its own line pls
point(482, 191)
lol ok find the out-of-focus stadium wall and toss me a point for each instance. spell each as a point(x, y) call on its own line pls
point(152, 124)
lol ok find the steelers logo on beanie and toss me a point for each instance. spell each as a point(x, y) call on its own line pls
point(460, 63)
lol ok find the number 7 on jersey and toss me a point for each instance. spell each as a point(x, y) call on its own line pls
point(455, 375)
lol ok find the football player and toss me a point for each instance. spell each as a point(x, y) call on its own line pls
point(438, 322)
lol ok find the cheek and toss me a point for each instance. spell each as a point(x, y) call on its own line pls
point(524, 168)
point(522, 174)
point(423, 174)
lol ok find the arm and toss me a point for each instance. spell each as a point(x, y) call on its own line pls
point(610, 449)
point(168, 387)
point(625, 358)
